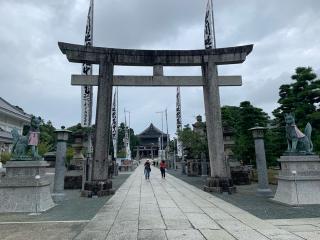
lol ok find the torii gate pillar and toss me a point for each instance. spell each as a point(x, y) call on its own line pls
point(219, 181)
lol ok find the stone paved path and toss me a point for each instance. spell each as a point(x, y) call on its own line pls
point(171, 209)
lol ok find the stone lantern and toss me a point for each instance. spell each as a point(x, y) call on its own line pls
point(263, 182)
point(78, 158)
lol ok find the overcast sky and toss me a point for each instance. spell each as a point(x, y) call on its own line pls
point(36, 76)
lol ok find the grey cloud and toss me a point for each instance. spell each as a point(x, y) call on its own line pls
point(35, 75)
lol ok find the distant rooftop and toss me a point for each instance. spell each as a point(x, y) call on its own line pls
point(8, 108)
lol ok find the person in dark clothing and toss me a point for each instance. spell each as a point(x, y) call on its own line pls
point(147, 169)
point(163, 169)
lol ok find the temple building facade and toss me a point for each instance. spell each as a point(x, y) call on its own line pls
point(150, 141)
point(10, 117)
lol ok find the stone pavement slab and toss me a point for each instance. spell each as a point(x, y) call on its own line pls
point(304, 228)
point(152, 234)
point(173, 209)
point(261, 207)
point(40, 230)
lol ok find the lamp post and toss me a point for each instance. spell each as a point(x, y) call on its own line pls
point(58, 188)
point(263, 182)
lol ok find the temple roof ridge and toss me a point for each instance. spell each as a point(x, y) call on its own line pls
point(151, 130)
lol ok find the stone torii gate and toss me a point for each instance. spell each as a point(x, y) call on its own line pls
point(207, 59)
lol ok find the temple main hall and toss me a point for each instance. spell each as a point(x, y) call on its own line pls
point(150, 142)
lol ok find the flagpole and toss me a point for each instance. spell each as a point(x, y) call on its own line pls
point(87, 99)
point(213, 28)
point(117, 127)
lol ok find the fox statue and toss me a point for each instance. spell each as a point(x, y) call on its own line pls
point(297, 141)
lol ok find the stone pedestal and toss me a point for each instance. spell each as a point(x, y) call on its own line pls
point(73, 179)
point(193, 168)
point(95, 188)
point(25, 188)
point(219, 185)
point(299, 180)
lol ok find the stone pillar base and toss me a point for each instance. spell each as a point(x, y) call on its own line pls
point(220, 185)
point(21, 191)
point(299, 180)
point(264, 192)
point(73, 179)
point(98, 188)
point(58, 197)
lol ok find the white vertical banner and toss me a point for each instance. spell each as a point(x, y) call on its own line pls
point(179, 122)
point(114, 123)
point(209, 31)
point(87, 91)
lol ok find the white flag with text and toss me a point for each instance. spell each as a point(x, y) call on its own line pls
point(209, 38)
point(87, 91)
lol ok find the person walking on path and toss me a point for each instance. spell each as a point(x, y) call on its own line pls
point(147, 169)
point(163, 169)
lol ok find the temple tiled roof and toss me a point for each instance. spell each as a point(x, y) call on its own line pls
point(6, 107)
point(151, 131)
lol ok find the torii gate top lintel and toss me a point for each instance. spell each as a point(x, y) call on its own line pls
point(133, 57)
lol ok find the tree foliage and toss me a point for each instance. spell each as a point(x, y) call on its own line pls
point(47, 137)
point(134, 141)
point(249, 117)
point(193, 143)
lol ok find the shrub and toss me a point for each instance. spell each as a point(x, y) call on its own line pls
point(4, 157)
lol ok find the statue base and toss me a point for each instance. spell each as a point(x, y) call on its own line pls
point(98, 188)
point(25, 187)
point(298, 180)
point(220, 185)
point(73, 179)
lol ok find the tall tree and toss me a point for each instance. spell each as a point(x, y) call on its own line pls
point(134, 141)
point(193, 142)
point(249, 116)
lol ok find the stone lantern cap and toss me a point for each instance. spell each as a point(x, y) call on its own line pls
point(258, 132)
point(78, 134)
point(62, 134)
